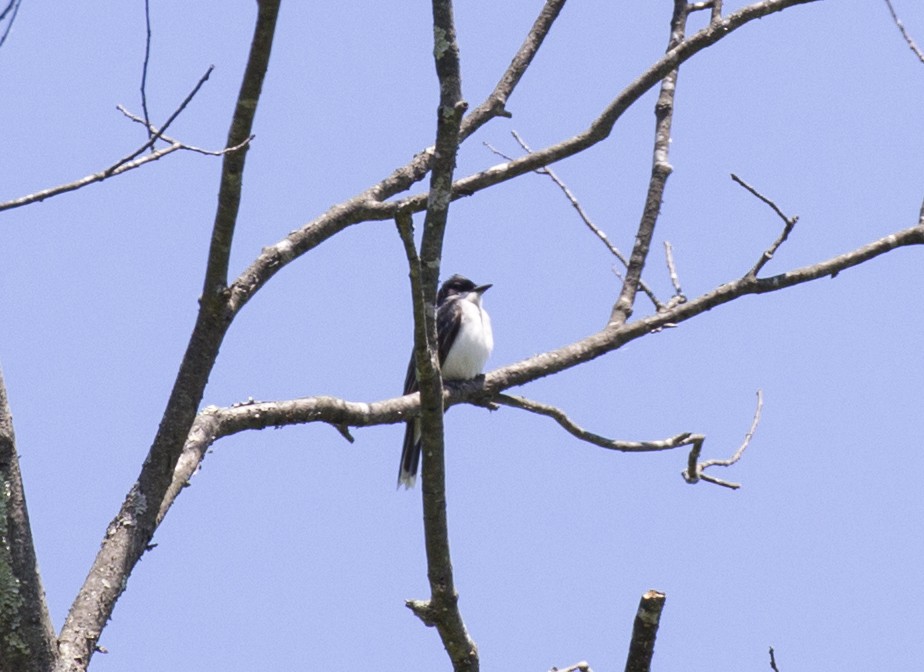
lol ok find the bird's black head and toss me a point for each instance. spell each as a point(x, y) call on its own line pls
point(457, 284)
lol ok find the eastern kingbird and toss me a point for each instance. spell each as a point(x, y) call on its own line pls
point(464, 335)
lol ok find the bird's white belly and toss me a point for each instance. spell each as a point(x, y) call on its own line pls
point(473, 345)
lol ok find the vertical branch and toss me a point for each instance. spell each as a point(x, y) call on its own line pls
point(144, 69)
point(660, 171)
point(644, 631)
point(27, 637)
point(442, 609)
point(131, 531)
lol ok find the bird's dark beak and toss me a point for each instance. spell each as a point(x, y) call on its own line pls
point(481, 289)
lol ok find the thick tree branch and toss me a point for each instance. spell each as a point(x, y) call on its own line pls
point(214, 423)
point(371, 205)
point(443, 607)
point(602, 126)
point(644, 631)
point(27, 637)
point(130, 532)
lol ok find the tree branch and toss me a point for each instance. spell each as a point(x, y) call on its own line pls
point(495, 104)
point(901, 28)
point(660, 171)
point(443, 607)
point(130, 532)
point(644, 631)
point(27, 636)
point(214, 423)
point(371, 205)
point(123, 165)
point(588, 222)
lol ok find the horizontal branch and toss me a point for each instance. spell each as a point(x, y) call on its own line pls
point(214, 423)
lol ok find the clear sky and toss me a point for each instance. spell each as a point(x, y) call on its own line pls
point(292, 549)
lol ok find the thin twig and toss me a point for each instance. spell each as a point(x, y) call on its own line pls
point(130, 161)
point(672, 271)
point(89, 179)
point(12, 6)
point(163, 129)
point(684, 439)
point(695, 469)
point(495, 104)
point(572, 199)
point(183, 145)
point(901, 28)
point(144, 68)
point(773, 661)
point(582, 666)
point(789, 223)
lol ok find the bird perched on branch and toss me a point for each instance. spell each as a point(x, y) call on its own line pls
point(464, 340)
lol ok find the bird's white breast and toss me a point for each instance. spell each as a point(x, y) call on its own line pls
point(473, 344)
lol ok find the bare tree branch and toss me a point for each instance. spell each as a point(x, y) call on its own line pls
point(112, 171)
point(601, 127)
point(371, 204)
point(144, 68)
point(773, 661)
point(572, 199)
point(696, 470)
point(660, 171)
point(679, 296)
point(182, 145)
point(214, 423)
point(442, 609)
point(495, 104)
point(123, 165)
point(27, 636)
point(789, 224)
point(11, 10)
point(901, 28)
point(130, 532)
point(684, 439)
point(644, 631)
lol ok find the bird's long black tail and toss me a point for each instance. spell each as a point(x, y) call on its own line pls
point(410, 455)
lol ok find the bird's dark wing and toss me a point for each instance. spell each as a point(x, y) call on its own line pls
point(448, 319)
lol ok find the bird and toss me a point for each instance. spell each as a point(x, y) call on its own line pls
point(465, 342)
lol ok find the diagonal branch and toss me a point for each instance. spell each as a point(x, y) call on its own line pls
point(495, 104)
point(788, 224)
point(27, 636)
point(576, 204)
point(901, 28)
point(371, 204)
point(660, 171)
point(601, 127)
point(130, 533)
point(123, 165)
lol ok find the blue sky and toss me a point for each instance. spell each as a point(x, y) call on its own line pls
point(292, 549)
